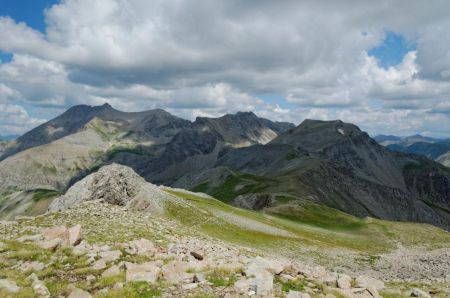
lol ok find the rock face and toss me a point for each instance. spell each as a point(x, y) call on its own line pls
point(117, 185)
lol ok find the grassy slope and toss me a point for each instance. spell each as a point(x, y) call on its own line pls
point(312, 226)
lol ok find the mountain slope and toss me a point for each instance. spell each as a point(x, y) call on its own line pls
point(153, 123)
point(199, 145)
point(336, 164)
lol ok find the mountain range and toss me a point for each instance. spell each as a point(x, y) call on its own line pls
point(436, 149)
point(241, 159)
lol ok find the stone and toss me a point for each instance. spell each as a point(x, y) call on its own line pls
point(78, 293)
point(243, 286)
point(373, 291)
point(190, 286)
point(175, 272)
point(344, 281)
point(58, 232)
point(9, 286)
point(52, 244)
point(197, 255)
point(112, 271)
point(419, 293)
point(297, 294)
point(31, 238)
point(264, 283)
point(40, 289)
point(110, 256)
point(90, 278)
point(35, 266)
point(148, 272)
point(75, 235)
point(141, 247)
point(99, 265)
point(257, 264)
point(365, 282)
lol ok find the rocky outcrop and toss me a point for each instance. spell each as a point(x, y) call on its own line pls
point(254, 201)
point(117, 185)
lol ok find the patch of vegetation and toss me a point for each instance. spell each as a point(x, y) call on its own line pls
point(221, 277)
point(320, 216)
point(138, 150)
point(40, 194)
point(236, 184)
point(291, 285)
point(104, 282)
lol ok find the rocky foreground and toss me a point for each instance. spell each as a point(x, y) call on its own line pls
point(40, 257)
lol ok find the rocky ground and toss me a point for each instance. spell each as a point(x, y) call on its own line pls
point(101, 250)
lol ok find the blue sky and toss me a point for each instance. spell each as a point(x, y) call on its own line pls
point(392, 50)
point(208, 57)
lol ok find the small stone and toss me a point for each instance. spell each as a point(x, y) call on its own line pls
point(148, 272)
point(113, 271)
point(78, 293)
point(9, 286)
point(75, 235)
point(118, 285)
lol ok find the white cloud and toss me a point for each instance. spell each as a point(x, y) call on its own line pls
point(210, 57)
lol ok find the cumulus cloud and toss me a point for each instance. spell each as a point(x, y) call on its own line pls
point(210, 57)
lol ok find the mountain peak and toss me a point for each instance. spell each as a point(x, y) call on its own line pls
point(314, 135)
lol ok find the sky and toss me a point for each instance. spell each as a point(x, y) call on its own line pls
point(383, 65)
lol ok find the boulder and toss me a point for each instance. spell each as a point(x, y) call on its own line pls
point(52, 244)
point(257, 264)
point(9, 286)
point(365, 282)
point(141, 247)
point(264, 283)
point(175, 272)
point(297, 294)
point(419, 293)
point(99, 264)
point(110, 256)
point(78, 293)
point(373, 291)
point(112, 271)
point(59, 232)
point(344, 281)
point(75, 235)
point(148, 272)
point(197, 256)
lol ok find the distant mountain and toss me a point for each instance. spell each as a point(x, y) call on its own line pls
point(336, 164)
point(432, 148)
point(8, 137)
point(56, 154)
point(153, 123)
point(239, 158)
